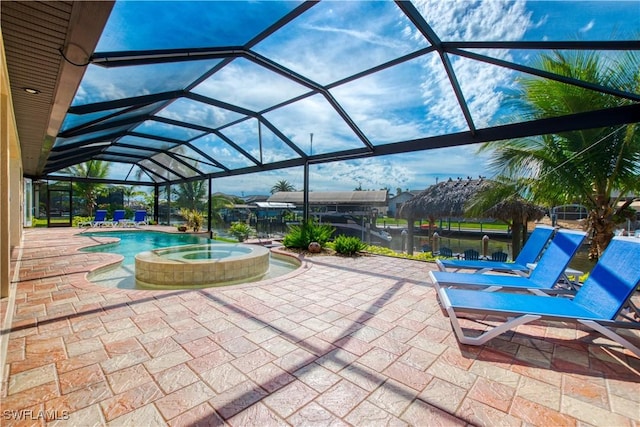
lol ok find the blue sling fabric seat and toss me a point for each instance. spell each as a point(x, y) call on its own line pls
point(597, 304)
point(118, 216)
point(100, 218)
point(140, 217)
point(543, 279)
point(529, 254)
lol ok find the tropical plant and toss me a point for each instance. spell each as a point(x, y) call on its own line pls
point(596, 167)
point(219, 202)
point(194, 218)
point(347, 245)
point(240, 230)
point(299, 236)
point(190, 194)
point(129, 192)
point(282, 185)
point(86, 190)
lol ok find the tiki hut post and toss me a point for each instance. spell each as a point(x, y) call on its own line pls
point(410, 223)
point(485, 246)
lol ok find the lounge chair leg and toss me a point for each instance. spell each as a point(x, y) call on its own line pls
point(491, 333)
point(486, 336)
point(611, 335)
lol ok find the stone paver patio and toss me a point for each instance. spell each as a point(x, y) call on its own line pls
point(341, 341)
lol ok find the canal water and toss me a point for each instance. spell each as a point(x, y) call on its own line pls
point(580, 261)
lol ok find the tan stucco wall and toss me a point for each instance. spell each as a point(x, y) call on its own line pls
point(10, 178)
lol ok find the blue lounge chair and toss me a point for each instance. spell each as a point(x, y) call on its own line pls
point(100, 218)
point(529, 254)
point(118, 217)
point(140, 218)
point(598, 305)
point(543, 279)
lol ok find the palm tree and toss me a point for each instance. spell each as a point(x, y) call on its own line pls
point(282, 185)
point(89, 191)
point(130, 192)
point(590, 165)
point(219, 201)
point(190, 194)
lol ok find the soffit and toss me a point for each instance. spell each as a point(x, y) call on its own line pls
point(34, 33)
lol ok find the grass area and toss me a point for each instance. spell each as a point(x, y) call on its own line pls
point(455, 225)
point(476, 226)
point(393, 222)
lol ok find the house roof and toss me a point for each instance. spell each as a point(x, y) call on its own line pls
point(412, 193)
point(374, 198)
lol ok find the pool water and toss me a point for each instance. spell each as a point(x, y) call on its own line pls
point(133, 242)
point(205, 252)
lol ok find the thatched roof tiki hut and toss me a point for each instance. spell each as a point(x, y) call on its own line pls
point(516, 212)
point(442, 200)
point(453, 197)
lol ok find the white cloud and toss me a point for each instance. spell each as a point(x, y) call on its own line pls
point(486, 20)
point(408, 101)
point(266, 87)
point(587, 27)
point(386, 105)
point(367, 37)
point(414, 171)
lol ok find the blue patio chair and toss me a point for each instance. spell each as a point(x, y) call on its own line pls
point(542, 280)
point(100, 218)
point(140, 218)
point(118, 217)
point(530, 253)
point(600, 301)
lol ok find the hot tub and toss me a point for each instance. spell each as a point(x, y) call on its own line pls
point(202, 264)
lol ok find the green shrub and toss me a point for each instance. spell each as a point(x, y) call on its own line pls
point(348, 245)
point(420, 256)
point(240, 230)
point(194, 218)
point(76, 220)
point(299, 236)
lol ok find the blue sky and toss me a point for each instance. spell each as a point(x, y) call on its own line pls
point(331, 42)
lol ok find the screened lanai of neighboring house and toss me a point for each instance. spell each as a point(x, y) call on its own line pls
point(158, 94)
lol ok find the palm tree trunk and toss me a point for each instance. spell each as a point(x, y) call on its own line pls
point(516, 238)
point(409, 241)
point(602, 226)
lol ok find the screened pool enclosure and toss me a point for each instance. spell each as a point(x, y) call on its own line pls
point(156, 95)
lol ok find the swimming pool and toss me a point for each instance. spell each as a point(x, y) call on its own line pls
point(134, 242)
